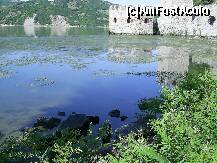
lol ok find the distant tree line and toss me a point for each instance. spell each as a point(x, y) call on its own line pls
point(203, 2)
point(77, 12)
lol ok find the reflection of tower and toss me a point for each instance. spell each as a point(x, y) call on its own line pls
point(130, 55)
point(59, 30)
point(29, 27)
point(172, 62)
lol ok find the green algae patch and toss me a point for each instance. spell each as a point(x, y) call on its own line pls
point(42, 81)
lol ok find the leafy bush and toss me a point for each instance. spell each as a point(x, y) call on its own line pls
point(65, 146)
point(186, 132)
point(203, 2)
point(130, 149)
point(151, 107)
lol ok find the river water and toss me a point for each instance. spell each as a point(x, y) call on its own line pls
point(86, 71)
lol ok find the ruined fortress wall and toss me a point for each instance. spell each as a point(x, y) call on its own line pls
point(171, 25)
point(199, 26)
point(174, 24)
point(119, 23)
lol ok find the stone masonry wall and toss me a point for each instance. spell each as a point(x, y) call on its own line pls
point(198, 26)
point(119, 23)
point(174, 24)
point(168, 25)
point(201, 26)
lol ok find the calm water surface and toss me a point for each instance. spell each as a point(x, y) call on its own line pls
point(45, 70)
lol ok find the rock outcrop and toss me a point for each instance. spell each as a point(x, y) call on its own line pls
point(29, 26)
point(59, 25)
point(79, 122)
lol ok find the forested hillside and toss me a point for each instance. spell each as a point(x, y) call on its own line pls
point(203, 2)
point(77, 12)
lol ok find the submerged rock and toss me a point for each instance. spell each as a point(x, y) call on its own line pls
point(123, 118)
point(46, 123)
point(1, 134)
point(94, 119)
point(115, 113)
point(142, 123)
point(79, 122)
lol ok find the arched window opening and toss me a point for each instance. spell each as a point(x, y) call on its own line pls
point(193, 17)
point(146, 20)
point(115, 20)
point(211, 20)
point(128, 20)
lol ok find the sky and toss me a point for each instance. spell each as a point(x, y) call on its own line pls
point(135, 2)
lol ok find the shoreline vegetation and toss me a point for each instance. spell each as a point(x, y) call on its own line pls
point(179, 126)
point(50, 25)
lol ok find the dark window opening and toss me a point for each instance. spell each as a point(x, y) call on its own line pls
point(115, 20)
point(146, 20)
point(128, 20)
point(193, 17)
point(211, 20)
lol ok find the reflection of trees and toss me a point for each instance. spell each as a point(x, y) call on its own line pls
point(196, 68)
point(29, 30)
point(12, 31)
point(130, 55)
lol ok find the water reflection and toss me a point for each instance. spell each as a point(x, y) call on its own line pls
point(174, 61)
point(32, 30)
point(29, 30)
point(88, 71)
point(59, 30)
point(130, 55)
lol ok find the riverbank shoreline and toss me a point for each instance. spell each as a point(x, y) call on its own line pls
point(38, 26)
